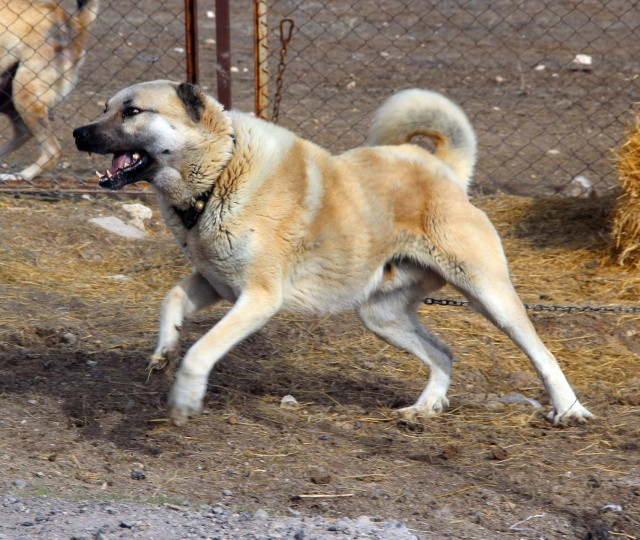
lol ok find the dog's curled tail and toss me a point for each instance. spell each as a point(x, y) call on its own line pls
point(414, 112)
point(86, 11)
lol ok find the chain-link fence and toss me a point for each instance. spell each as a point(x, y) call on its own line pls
point(549, 85)
point(546, 122)
point(127, 42)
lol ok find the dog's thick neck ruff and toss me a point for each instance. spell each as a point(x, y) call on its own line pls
point(191, 215)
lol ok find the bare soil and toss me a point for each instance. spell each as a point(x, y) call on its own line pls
point(80, 413)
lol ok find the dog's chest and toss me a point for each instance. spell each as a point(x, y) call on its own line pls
point(221, 261)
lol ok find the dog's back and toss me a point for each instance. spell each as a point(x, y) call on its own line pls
point(415, 112)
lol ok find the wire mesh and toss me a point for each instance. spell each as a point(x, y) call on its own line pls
point(546, 118)
point(128, 42)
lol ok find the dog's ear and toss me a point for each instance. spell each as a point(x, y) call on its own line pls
point(193, 98)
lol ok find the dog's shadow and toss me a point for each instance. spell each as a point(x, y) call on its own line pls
point(110, 396)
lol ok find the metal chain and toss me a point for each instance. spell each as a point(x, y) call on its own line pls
point(285, 38)
point(542, 307)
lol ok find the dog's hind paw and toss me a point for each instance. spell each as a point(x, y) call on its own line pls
point(574, 414)
point(423, 410)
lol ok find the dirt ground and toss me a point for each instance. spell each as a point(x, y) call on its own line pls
point(80, 415)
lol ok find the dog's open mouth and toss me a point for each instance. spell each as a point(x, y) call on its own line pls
point(124, 169)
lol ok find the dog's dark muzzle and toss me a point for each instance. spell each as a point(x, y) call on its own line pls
point(87, 140)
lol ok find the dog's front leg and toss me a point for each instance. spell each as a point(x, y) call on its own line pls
point(252, 310)
point(190, 295)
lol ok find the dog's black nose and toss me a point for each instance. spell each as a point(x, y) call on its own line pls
point(81, 133)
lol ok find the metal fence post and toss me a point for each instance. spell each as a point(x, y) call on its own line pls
point(191, 38)
point(261, 58)
point(223, 53)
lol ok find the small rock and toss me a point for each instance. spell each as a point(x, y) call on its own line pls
point(499, 453)
point(321, 477)
point(19, 483)
point(450, 451)
point(299, 535)
point(581, 62)
point(289, 402)
point(69, 338)
point(139, 213)
point(351, 85)
point(137, 474)
point(117, 226)
point(260, 514)
point(227, 493)
point(324, 438)
point(580, 186)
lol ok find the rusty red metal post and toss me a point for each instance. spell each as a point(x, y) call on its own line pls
point(191, 29)
point(223, 53)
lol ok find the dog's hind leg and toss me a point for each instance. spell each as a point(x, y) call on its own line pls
point(21, 133)
point(472, 260)
point(255, 306)
point(495, 298)
point(186, 298)
point(392, 316)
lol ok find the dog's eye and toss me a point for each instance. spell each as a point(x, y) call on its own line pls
point(131, 111)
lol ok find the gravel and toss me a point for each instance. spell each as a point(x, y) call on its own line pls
point(53, 519)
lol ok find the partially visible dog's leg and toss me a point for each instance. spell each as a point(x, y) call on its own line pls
point(31, 105)
point(393, 317)
point(250, 312)
point(192, 294)
point(21, 133)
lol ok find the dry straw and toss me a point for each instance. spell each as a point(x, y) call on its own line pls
point(626, 219)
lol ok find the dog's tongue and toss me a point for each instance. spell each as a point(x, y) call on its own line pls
point(120, 161)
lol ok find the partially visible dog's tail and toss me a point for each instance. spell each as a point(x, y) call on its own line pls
point(422, 112)
point(86, 11)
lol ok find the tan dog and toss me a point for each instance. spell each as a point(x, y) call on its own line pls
point(273, 222)
point(41, 51)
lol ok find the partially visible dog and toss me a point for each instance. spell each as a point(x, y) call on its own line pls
point(273, 222)
point(41, 51)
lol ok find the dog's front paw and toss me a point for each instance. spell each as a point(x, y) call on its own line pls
point(575, 413)
point(164, 358)
point(186, 398)
point(430, 408)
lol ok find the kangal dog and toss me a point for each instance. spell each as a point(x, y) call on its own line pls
point(273, 222)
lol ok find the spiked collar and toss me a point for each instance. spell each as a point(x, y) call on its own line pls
point(191, 215)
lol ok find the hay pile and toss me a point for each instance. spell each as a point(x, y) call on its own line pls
point(626, 219)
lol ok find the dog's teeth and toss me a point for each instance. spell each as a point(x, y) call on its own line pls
point(136, 156)
point(98, 174)
point(109, 174)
